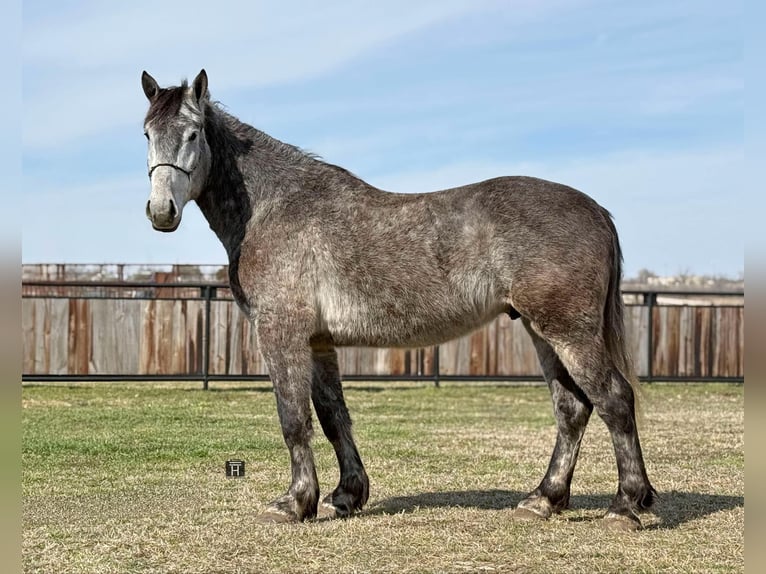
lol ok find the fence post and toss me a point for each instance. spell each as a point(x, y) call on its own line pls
point(436, 366)
point(207, 292)
point(650, 299)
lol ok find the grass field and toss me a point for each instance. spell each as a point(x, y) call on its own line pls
point(130, 478)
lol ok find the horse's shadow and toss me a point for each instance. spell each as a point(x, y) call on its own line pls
point(672, 508)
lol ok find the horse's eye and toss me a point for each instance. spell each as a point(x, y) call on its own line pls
point(193, 136)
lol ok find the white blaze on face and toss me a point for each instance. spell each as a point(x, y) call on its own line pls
point(167, 198)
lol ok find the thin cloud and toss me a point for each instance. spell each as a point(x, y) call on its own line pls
point(92, 62)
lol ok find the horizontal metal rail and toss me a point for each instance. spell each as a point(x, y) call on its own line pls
point(109, 378)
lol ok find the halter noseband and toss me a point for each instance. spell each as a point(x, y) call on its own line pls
point(174, 166)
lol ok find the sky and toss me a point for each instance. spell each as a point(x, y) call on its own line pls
point(639, 105)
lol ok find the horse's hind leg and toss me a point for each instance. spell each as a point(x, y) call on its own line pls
point(586, 359)
point(327, 393)
point(572, 410)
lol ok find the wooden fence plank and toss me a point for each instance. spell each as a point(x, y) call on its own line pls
point(116, 327)
point(79, 337)
point(57, 336)
point(729, 342)
point(637, 336)
point(29, 336)
point(220, 319)
point(147, 346)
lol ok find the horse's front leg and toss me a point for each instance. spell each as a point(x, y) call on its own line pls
point(327, 393)
point(284, 344)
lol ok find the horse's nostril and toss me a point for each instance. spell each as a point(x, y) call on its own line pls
point(173, 210)
point(148, 210)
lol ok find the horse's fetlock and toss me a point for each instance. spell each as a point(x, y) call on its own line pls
point(357, 485)
point(647, 498)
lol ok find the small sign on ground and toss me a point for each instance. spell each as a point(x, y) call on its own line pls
point(235, 468)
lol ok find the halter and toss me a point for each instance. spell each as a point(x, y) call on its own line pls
point(188, 172)
point(174, 166)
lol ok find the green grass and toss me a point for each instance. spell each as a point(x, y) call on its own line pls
point(129, 478)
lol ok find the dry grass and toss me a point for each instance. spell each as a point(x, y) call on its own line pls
point(129, 478)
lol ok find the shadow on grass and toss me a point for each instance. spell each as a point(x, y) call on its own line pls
point(673, 508)
point(676, 508)
point(482, 499)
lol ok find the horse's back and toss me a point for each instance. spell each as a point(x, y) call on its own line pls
point(522, 225)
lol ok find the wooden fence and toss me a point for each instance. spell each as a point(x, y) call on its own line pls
point(197, 332)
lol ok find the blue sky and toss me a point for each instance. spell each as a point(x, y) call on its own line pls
point(640, 105)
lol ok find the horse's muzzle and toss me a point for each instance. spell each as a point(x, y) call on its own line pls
point(166, 221)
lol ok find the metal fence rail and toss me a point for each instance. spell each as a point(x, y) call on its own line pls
point(149, 331)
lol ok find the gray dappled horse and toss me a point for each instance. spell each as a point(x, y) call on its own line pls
point(318, 259)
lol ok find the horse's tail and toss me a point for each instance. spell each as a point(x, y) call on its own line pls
point(614, 321)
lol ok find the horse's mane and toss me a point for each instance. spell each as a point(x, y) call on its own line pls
point(166, 103)
point(242, 129)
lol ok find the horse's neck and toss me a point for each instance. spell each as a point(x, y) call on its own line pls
point(247, 168)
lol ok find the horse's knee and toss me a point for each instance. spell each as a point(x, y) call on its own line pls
point(296, 430)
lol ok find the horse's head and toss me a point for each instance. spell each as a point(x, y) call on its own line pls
point(179, 156)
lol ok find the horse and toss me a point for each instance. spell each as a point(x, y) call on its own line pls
point(320, 259)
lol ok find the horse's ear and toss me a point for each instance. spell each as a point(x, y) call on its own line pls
point(200, 87)
point(150, 85)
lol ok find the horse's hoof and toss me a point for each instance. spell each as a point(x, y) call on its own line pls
point(326, 511)
point(332, 507)
point(533, 508)
point(528, 514)
point(276, 516)
point(620, 523)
